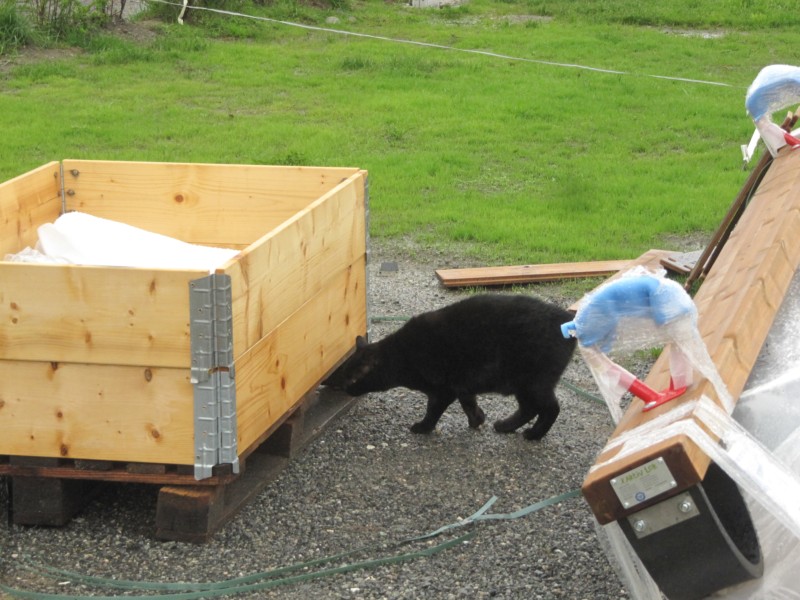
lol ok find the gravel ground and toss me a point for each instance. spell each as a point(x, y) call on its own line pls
point(368, 481)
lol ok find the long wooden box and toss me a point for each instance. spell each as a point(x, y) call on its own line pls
point(170, 366)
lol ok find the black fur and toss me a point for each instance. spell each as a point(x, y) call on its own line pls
point(508, 344)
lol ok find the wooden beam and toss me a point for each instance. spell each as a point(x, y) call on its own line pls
point(706, 259)
point(736, 306)
point(489, 276)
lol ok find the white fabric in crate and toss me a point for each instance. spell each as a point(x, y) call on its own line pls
point(82, 239)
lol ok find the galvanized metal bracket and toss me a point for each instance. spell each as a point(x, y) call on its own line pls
point(212, 374)
point(665, 514)
point(698, 542)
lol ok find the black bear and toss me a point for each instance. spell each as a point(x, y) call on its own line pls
point(506, 344)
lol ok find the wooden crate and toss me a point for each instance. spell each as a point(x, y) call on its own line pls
point(177, 367)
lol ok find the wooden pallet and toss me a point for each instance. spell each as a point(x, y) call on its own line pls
point(46, 491)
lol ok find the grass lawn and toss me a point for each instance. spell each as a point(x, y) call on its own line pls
point(487, 138)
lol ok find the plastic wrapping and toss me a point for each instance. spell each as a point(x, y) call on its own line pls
point(758, 447)
point(779, 546)
point(82, 239)
point(769, 409)
point(641, 309)
point(624, 313)
point(630, 570)
point(774, 88)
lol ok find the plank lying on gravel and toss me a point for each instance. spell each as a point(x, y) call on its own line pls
point(490, 276)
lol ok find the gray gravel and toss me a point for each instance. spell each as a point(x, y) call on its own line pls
point(368, 481)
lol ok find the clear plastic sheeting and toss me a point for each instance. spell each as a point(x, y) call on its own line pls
point(641, 309)
point(774, 88)
point(629, 568)
point(769, 409)
point(631, 311)
point(758, 446)
point(780, 547)
point(82, 239)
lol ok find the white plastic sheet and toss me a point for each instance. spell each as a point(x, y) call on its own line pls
point(774, 88)
point(83, 239)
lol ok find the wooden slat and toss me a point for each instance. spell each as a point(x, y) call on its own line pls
point(59, 313)
point(736, 305)
point(681, 263)
point(296, 261)
point(219, 205)
point(489, 276)
point(96, 412)
point(150, 473)
point(26, 202)
point(295, 356)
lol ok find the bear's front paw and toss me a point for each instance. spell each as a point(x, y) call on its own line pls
point(422, 427)
point(504, 426)
point(477, 419)
point(533, 433)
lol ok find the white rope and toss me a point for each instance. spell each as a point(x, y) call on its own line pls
point(443, 47)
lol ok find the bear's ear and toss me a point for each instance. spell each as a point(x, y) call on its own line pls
point(361, 342)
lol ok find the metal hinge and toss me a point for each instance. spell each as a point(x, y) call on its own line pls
point(212, 374)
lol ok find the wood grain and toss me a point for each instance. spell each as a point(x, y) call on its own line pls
point(218, 205)
point(736, 305)
point(26, 202)
point(114, 413)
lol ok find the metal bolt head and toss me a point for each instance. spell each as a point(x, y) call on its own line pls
point(685, 506)
point(639, 525)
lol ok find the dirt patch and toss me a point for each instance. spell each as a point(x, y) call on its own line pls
point(140, 32)
point(701, 33)
point(434, 3)
point(29, 55)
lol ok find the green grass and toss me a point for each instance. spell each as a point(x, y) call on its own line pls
point(506, 159)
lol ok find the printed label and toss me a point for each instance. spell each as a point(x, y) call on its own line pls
point(643, 483)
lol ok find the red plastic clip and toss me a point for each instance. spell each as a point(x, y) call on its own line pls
point(652, 398)
point(791, 140)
